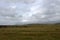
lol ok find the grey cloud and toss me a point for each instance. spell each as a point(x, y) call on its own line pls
point(26, 12)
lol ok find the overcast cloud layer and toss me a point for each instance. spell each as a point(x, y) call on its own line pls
point(29, 11)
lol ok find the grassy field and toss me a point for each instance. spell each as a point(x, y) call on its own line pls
point(31, 32)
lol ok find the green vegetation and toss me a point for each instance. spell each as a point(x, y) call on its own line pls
point(31, 32)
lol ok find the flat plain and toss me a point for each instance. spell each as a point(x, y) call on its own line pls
point(31, 32)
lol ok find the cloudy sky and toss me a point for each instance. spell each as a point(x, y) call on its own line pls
point(29, 11)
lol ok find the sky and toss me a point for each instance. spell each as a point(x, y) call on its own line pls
point(20, 12)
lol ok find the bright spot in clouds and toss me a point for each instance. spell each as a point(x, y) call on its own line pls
point(33, 11)
point(13, 7)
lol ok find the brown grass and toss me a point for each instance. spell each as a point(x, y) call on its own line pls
point(31, 32)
